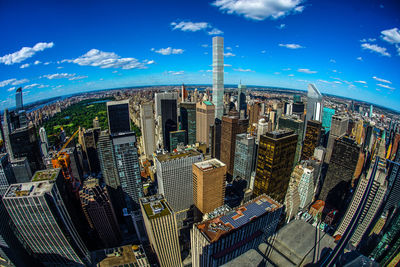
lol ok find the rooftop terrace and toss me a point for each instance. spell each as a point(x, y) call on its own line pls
point(213, 229)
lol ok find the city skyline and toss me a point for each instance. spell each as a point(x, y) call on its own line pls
point(68, 48)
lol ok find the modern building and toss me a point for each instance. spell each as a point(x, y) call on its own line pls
point(177, 138)
point(166, 111)
point(314, 104)
point(215, 131)
point(118, 116)
point(205, 116)
point(209, 178)
point(188, 120)
point(339, 127)
point(275, 163)
point(231, 126)
point(241, 104)
point(99, 212)
point(327, 118)
point(175, 179)
point(245, 157)
point(44, 224)
point(311, 139)
point(162, 230)
point(297, 125)
point(18, 99)
point(218, 76)
point(216, 241)
point(148, 129)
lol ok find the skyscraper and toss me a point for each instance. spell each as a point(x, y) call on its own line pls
point(18, 99)
point(118, 116)
point(147, 127)
point(209, 184)
point(218, 240)
point(44, 224)
point(231, 126)
point(311, 139)
point(166, 117)
point(242, 105)
point(297, 125)
point(245, 157)
point(218, 76)
point(99, 212)
point(274, 164)
point(339, 127)
point(188, 121)
point(314, 104)
point(162, 230)
point(205, 116)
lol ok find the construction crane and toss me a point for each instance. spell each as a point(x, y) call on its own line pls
point(62, 160)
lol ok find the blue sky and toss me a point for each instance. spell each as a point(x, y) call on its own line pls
point(347, 48)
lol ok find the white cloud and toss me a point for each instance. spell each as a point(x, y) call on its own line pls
point(291, 46)
point(215, 31)
point(243, 70)
point(189, 26)
point(79, 77)
point(176, 72)
point(24, 53)
point(363, 82)
point(104, 60)
point(385, 86)
point(375, 48)
point(392, 35)
point(18, 82)
point(259, 9)
point(24, 66)
point(59, 76)
point(360, 58)
point(381, 80)
point(282, 26)
point(308, 71)
point(37, 62)
point(168, 51)
point(229, 54)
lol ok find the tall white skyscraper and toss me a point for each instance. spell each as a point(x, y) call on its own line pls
point(314, 104)
point(147, 125)
point(218, 76)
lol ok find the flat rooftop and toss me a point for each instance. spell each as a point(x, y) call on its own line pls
point(178, 155)
point(210, 164)
point(46, 175)
point(31, 189)
point(214, 228)
point(155, 206)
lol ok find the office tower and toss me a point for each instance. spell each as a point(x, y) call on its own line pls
point(215, 131)
point(205, 116)
point(262, 128)
point(128, 169)
point(99, 212)
point(24, 143)
point(274, 163)
point(89, 144)
point(292, 198)
point(177, 138)
point(306, 186)
point(314, 104)
point(209, 185)
point(371, 108)
point(44, 223)
point(339, 127)
point(231, 126)
point(188, 121)
point(166, 117)
point(218, 76)
point(245, 157)
point(96, 123)
point(254, 112)
point(242, 105)
point(341, 170)
point(297, 125)
point(327, 118)
point(147, 127)
point(118, 116)
point(21, 169)
point(311, 139)
point(18, 99)
point(175, 179)
point(374, 198)
point(6, 132)
point(161, 226)
point(216, 241)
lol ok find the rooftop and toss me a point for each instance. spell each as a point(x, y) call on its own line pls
point(178, 155)
point(155, 206)
point(46, 175)
point(30, 189)
point(209, 164)
point(214, 228)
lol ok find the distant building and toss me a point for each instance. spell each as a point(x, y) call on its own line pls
point(339, 127)
point(245, 157)
point(297, 125)
point(216, 241)
point(177, 138)
point(166, 117)
point(314, 104)
point(218, 76)
point(118, 116)
point(162, 230)
point(205, 116)
point(274, 163)
point(311, 139)
point(188, 121)
point(209, 184)
point(148, 129)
